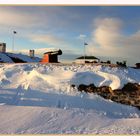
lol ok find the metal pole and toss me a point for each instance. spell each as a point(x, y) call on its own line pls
point(13, 42)
point(84, 53)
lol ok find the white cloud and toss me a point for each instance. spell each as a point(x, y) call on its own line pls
point(9, 17)
point(47, 39)
point(51, 41)
point(107, 31)
point(108, 39)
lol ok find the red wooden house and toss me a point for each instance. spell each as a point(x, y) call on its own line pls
point(51, 56)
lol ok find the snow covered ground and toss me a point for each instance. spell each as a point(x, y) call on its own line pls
point(38, 99)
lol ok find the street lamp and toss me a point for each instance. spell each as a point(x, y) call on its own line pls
point(85, 51)
point(14, 32)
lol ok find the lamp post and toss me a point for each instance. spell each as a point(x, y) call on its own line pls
point(85, 51)
point(13, 43)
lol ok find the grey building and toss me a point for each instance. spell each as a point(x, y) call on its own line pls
point(32, 53)
point(3, 47)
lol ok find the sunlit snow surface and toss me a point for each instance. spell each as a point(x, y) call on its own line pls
point(38, 99)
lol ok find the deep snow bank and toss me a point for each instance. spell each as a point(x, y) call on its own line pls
point(45, 91)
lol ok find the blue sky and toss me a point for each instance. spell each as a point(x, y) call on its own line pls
point(111, 32)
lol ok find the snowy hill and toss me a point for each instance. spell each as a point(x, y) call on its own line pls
point(16, 58)
point(38, 99)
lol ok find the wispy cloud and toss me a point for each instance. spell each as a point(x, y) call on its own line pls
point(47, 39)
point(51, 41)
point(10, 17)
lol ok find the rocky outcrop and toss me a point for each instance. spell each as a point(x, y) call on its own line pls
point(128, 95)
point(131, 87)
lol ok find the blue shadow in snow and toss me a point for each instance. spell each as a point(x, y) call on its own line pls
point(42, 99)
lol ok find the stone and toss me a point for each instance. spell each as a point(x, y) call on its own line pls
point(82, 87)
point(73, 86)
point(105, 89)
point(91, 88)
point(129, 87)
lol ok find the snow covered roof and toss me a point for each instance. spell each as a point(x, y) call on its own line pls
point(5, 58)
point(87, 57)
point(16, 58)
point(53, 51)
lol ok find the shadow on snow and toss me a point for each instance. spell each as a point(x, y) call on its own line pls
point(21, 97)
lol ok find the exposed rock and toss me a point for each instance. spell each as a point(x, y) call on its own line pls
point(82, 87)
point(73, 86)
point(104, 89)
point(131, 87)
point(128, 95)
point(91, 88)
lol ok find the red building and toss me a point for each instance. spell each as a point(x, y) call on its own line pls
point(51, 56)
point(138, 65)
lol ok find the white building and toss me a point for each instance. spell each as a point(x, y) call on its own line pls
point(87, 59)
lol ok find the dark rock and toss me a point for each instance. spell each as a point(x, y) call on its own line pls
point(126, 102)
point(118, 92)
point(97, 90)
point(129, 87)
point(128, 95)
point(115, 98)
point(82, 88)
point(105, 89)
point(91, 88)
point(137, 102)
point(73, 86)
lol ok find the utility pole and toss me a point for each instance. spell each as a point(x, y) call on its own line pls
point(13, 42)
point(85, 51)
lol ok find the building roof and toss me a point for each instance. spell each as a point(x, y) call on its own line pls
point(137, 64)
point(16, 58)
point(58, 52)
point(87, 57)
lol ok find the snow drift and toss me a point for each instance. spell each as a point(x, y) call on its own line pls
point(36, 98)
